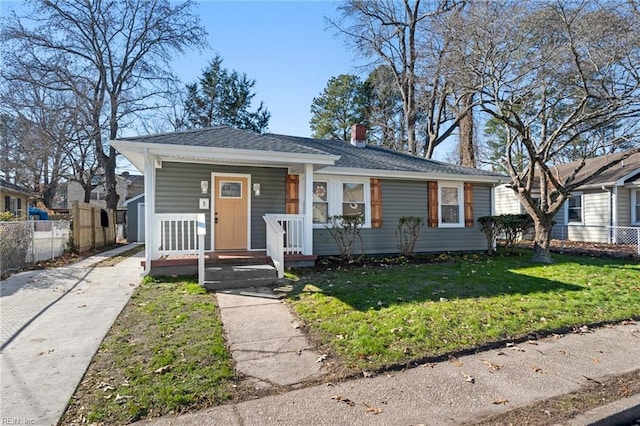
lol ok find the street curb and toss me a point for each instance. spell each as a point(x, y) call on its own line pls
point(622, 412)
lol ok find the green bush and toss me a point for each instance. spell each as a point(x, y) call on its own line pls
point(512, 226)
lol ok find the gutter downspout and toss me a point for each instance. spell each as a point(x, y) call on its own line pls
point(612, 234)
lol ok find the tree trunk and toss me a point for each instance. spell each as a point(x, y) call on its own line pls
point(466, 146)
point(541, 253)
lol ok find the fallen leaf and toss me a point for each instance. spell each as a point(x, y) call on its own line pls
point(321, 358)
point(595, 360)
point(517, 349)
point(501, 353)
point(468, 378)
point(563, 352)
point(500, 401)
point(163, 370)
point(532, 342)
point(455, 361)
point(536, 369)
point(368, 374)
point(82, 306)
point(372, 410)
point(491, 366)
point(299, 352)
point(593, 380)
point(45, 352)
point(628, 322)
point(429, 364)
point(121, 399)
point(341, 398)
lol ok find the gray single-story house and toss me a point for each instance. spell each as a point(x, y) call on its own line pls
point(604, 210)
point(245, 185)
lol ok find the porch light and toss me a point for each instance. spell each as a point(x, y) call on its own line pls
point(204, 186)
point(256, 189)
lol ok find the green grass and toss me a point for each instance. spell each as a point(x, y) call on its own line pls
point(165, 354)
point(377, 317)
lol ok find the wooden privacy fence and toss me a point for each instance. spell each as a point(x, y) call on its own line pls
point(93, 227)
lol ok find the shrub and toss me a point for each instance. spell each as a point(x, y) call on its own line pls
point(407, 234)
point(512, 226)
point(345, 230)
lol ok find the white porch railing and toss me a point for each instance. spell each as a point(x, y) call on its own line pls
point(177, 233)
point(294, 236)
point(275, 243)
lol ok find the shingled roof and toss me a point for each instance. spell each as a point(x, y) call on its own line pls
point(366, 158)
point(224, 137)
point(377, 158)
point(624, 169)
point(14, 188)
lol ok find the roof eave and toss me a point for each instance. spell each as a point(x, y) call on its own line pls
point(134, 149)
point(400, 174)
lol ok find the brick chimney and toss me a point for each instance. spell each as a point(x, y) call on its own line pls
point(358, 135)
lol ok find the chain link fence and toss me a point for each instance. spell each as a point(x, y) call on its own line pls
point(626, 238)
point(26, 242)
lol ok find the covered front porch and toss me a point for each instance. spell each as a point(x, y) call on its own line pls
point(181, 248)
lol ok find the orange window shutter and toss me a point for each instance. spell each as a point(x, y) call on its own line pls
point(432, 188)
point(468, 204)
point(292, 201)
point(376, 203)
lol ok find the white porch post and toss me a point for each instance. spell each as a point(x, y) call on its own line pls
point(151, 243)
point(308, 209)
point(613, 211)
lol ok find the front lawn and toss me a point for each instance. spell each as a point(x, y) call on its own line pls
point(165, 353)
point(382, 316)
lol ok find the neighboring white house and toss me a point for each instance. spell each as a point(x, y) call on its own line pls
point(602, 210)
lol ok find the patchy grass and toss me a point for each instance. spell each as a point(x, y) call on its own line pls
point(380, 317)
point(165, 354)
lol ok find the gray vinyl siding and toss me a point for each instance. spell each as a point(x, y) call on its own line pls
point(178, 191)
point(132, 220)
point(409, 198)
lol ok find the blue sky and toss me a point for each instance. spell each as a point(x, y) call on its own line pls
point(283, 45)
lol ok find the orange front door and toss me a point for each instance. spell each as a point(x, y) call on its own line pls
point(231, 213)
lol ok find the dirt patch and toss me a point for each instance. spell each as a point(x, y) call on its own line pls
point(565, 407)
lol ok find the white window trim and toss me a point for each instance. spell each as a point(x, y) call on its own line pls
point(566, 210)
point(460, 188)
point(635, 200)
point(334, 196)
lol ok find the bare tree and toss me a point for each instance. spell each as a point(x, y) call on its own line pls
point(556, 74)
point(389, 32)
point(119, 48)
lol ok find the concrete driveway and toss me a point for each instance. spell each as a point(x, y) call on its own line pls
point(52, 323)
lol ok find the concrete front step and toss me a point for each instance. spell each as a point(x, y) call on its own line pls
point(238, 276)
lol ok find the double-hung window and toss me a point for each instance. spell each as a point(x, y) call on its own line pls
point(340, 196)
point(574, 213)
point(451, 205)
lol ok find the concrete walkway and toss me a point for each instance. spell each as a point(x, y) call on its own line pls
point(265, 340)
point(52, 323)
point(444, 394)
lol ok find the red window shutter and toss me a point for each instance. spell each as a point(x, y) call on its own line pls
point(468, 204)
point(432, 188)
point(376, 203)
point(292, 202)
